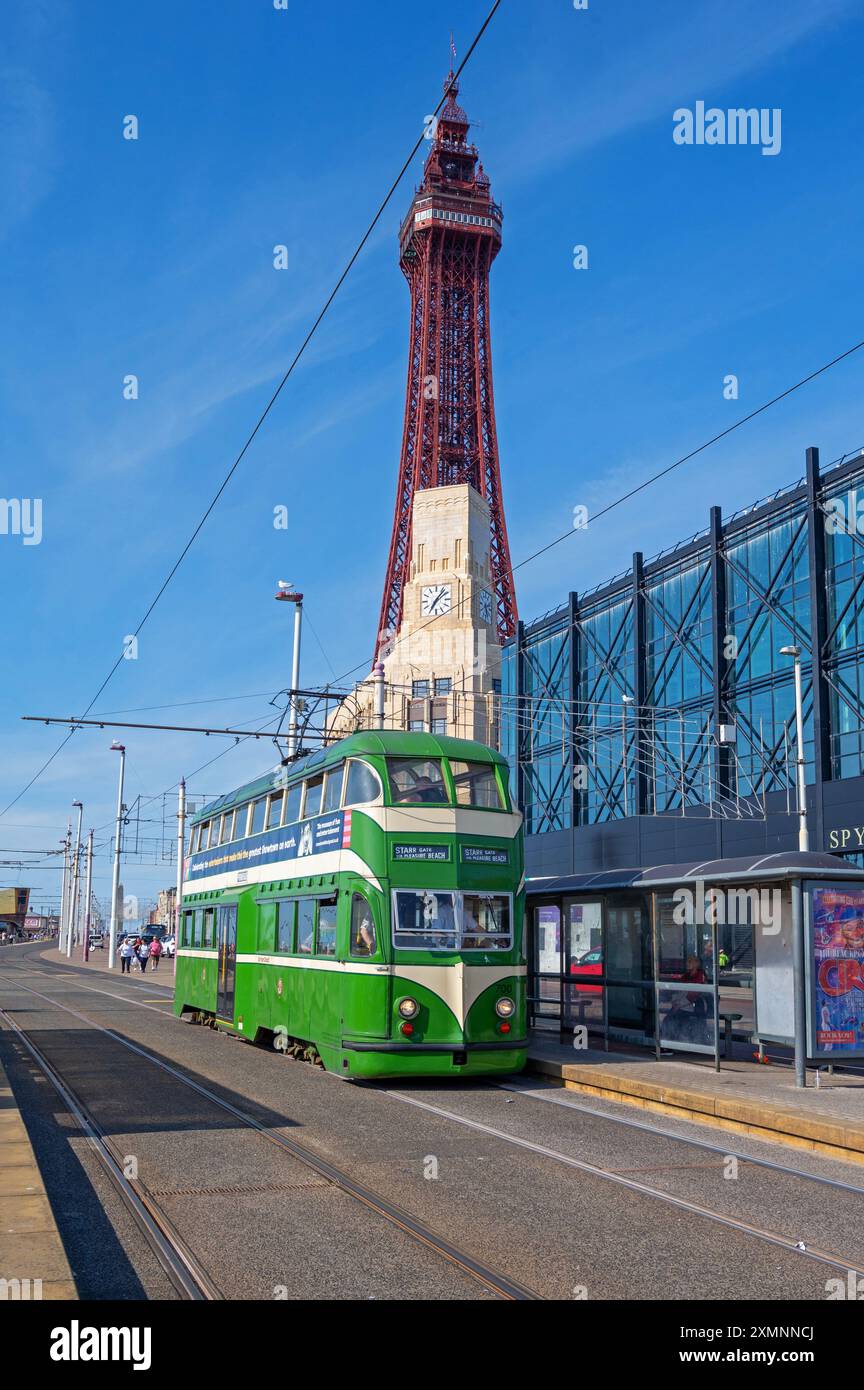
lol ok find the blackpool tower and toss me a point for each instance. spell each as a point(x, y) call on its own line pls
point(448, 241)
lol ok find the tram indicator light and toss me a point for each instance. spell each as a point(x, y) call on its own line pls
point(407, 1029)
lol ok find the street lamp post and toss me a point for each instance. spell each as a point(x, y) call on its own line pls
point(88, 892)
point(286, 593)
point(803, 833)
point(64, 891)
point(115, 881)
point(76, 870)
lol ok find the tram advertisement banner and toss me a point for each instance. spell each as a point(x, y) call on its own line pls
point(835, 965)
point(329, 832)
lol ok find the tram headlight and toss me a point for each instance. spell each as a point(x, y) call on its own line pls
point(505, 1008)
point(408, 1008)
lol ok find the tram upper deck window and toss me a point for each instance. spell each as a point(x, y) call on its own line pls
point(361, 785)
point(227, 824)
point(259, 813)
point(476, 785)
point(416, 781)
point(274, 810)
point(205, 835)
point(193, 839)
point(314, 787)
point(485, 922)
point(293, 803)
point(333, 788)
point(241, 815)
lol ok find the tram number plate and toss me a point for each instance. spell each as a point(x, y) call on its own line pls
point(440, 854)
point(483, 854)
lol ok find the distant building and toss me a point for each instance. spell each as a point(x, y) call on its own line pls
point(163, 913)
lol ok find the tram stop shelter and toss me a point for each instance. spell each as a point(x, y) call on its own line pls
point(688, 957)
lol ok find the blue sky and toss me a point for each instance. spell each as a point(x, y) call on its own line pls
point(261, 127)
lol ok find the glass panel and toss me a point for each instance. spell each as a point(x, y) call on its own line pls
point(631, 1009)
point(274, 810)
point(425, 921)
point(293, 803)
point(583, 1006)
point(362, 786)
point(547, 940)
point(416, 780)
point(485, 922)
point(305, 925)
point(209, 927)
point(628, 941)
point(686, 1016)
point(193, 840)
point(475, 785)
point(362, 927)
point(443, 685)
point(583, 963)
point(285, 926)
point(333, 789)
point(327, 929)
point(259, 811)
point(205, 834)
point(241, 815)
point(685, 949)
point(227, 824)
point(314, 787)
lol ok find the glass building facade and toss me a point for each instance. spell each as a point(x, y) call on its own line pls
point(664, 692)
point(651, 722)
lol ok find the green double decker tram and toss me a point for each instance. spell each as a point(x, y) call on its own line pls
point(364, 905)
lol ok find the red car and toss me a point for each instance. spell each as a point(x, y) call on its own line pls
point(589, 964)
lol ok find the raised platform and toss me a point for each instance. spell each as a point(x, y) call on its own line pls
point(745, 1097)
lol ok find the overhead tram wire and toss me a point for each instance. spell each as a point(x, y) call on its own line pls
point(272, 401)
point(634, 491)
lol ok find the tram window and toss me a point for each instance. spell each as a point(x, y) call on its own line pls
point(193, 840)
point(274, 810)
point(205, 834)
point(476, 785)
point(326, 929)
point(206, 929)
point(186, 934)
point(333, 788)
point(241, 815)
point(227, 824)
point(313, 796)
point(416, 780)
point(361, 786)
point(362, 927)
point(425, 921)
point(285, 926)
point(259, 811)
point(293, 804)
point(485, 922)
point(305, 925)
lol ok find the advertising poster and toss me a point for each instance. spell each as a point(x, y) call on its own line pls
point(836, 968)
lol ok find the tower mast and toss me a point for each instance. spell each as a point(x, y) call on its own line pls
point(447, 243)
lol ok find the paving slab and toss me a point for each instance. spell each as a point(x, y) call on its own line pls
point(30, 1245)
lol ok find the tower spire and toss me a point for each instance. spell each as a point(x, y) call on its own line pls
point(447, 242)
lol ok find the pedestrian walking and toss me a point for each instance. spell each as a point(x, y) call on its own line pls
point(143, 956)
point(155, 951)
point(127, 951)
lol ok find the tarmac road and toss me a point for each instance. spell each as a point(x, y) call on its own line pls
point(507, 1174)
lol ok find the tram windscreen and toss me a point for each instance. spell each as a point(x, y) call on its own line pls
point(475, 785)
point(428, 920)
point(416, 781)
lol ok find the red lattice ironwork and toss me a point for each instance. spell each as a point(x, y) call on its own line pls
point(448, 242)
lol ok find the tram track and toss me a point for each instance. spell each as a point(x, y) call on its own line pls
point(146, 1209)
point(812, 1251)
point(188, 1277)
point(825, 1257)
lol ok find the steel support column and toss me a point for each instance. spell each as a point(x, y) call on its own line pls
point(640, 687)
point(818, 639)
point(721, 662)
point(578, 766)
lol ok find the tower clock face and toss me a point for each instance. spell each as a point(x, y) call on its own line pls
point(435, 600)
point(485, 605)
